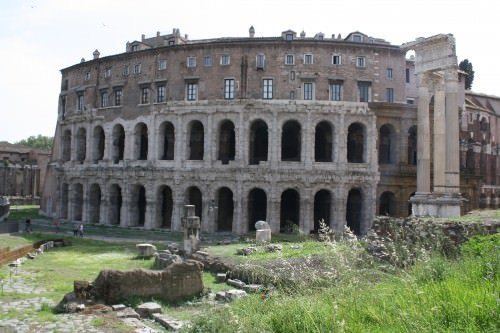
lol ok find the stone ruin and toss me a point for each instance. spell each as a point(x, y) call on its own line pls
point(263, 232)
point(191, 226)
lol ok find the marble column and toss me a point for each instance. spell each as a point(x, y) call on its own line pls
point(439, 138)
point(452, 135)
point(423, 138)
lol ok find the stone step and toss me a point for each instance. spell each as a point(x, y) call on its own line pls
point(168, 322)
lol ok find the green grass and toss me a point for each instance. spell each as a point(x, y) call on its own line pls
point(440, 295)
point(13, 241)
point(21, 213)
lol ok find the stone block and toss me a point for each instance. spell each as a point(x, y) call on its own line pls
point(220, 277)
point(252, 288)
point(263, 236)
point(146, 250)
point(233, 294)
point(168, 322)
point(127, 313)
point(146, 310)
point(235, 283)
point(262, 225)
point(118, 307)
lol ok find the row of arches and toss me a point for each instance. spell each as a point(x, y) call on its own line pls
point(291, 142)
point(222, 208)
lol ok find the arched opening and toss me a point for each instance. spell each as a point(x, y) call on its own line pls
point(483, 163)
point(196, 141)
point(66, 146)
point(141, 141)
point(195, 198)
point(225, 209)
point(118, 143)
point(323, 142)
point(164, 207)
point(289, 210)
point(98, 144)
point(387, 145)
point(482, 201)
point(166, 142)
point(291, 141)
point(227, 143)
point(387, 204)
point(412, 145)
point(258, 142)
point(355, 143)
point(257, 207)
point(94, 203)
point(469, 156)
point(410, 208)
point(64, 201)
point(115, 204)
point(322, 208)
point(354, 212)
point(138, 206)
point(77, 202)
point(81, 144)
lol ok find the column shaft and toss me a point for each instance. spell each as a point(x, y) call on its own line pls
point(439, 140)
point(452, 135)
point(423, 139)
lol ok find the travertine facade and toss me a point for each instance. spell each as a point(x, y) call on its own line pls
point(287, 129)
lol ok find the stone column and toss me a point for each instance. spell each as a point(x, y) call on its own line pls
point(341, 142)
point(439, 138)
point(452, 135)
point(306, 212)
point(273, 213)
point(104, 208)
point(423, 139)
point(150, 218)
point(177, 212)
point(86, 203)
point(340, 202)
point(125, 209)
point(307, 149)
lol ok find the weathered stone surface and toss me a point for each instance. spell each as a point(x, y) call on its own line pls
point(246, 251)
point(235, 294)
point(235, 283)
point(263, 236)
point(252, 288)
point(146, 310)
point(220, 277)
point(220, 296)
point(274, 247)
point(82, 289)
point(168, 322)
point(127, 313)
point(176, 282)
point(163, 260)
point(118, 307)
point(146, 250)
point(262, 225)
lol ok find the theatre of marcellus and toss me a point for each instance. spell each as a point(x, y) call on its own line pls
point(288, 129)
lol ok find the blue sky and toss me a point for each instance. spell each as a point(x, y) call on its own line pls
point(39, 38)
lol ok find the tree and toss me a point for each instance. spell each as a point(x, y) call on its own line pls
point(466, 66)
point(38, 142)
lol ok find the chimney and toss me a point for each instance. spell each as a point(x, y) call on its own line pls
point(96, 54)
point(143, 37)
point(251, 32)
point(303, 34)
point(157, 34)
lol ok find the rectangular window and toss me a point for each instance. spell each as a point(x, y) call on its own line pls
point(192, 91)
point(364, 89)
point(144, 95)
point(336, 91)
point(360, 62)
point(407, 75)
point(135, 48)
point(228, 88)
point(292, 95)
point(308, 90)
point(308, 59)
point(107, 73)
point(289, 59)
point(389, 73)
point(63, 105)
point(125, 71)
point(225, 59)
point(268, 89)
point(289, 36)
point(336, 59)
point(261, 61)
point(79, 101)
point(356, 38)
point(207, 61)
point(161, 93)
point(191, 62)
point(118, 96)
point(171, 42)
point(162, 64)
point(389, 95)
point(104, 99)
point(87, 76)
point(410, 101)
point(137, 69)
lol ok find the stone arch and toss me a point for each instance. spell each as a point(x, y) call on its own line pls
point(81, 144)
point(115, 204)
point(141, 142)
point(99, 140)
point(323, 142)
point(77, 202)
point(164, 207)
point(412, 145)
point(259, 141)
point(95, 198)
point(387, 144)
point(166, 141)
point(118, 136)
point(356, 143)
point(196, 140)
point(354, 211)
point(227, 142)
point(64, 201)
point(289, 210)
point(195, 197)
point(387, 204)
point(291, 141)
point(257, 207)
point(66, 146)
point(138, 205)
point(322, 208)
point(225, 211)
